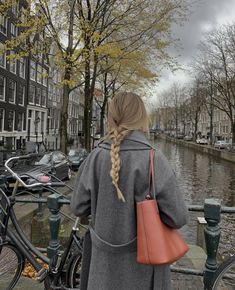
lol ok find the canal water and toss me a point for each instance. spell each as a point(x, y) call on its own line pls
point(201, 176)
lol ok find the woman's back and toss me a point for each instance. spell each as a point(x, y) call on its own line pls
point(112, 179)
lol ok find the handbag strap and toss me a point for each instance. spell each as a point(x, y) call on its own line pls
point(152, 190)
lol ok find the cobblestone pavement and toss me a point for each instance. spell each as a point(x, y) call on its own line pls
point(180, 281)
point(186, 282)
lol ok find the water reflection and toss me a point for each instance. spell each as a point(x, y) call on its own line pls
point(200, 175)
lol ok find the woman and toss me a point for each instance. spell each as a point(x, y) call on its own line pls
point(111, 180)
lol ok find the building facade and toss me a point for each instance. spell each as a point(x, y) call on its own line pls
point(13, 85)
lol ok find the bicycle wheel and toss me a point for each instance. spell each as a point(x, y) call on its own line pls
point(74, 273)
point(11, 266)
point(225, 276)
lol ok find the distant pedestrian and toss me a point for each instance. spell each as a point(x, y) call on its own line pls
point(112, 179)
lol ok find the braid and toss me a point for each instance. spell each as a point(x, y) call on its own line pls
point(117, 135)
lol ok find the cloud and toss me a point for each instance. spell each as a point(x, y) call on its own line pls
point(205, 16)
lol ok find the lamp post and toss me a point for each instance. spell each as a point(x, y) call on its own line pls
point(36, 121)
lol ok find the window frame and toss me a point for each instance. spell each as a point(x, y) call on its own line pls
point(4, 90)
point(3, 120)
point(13, 121)
point(22, 122)
point(22, 62)
point(42, 97)
point(34, 89)
point(5, 25)
point(38, 89)
point(32, 68)
point(9, 81)
point(23, 97)
point(3, 57)
point(14, 30)
point(39, 74)
point(13, 63)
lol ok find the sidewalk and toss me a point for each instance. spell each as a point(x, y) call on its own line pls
point(194, 259)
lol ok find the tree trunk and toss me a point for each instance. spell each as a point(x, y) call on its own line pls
point(88, 94)
point(195, 128)
point(87, 113)
point(211, 128)
point(64, 115)
point(102, 114)
point(233, 132)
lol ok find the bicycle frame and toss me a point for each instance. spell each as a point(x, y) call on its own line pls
point(30, 252)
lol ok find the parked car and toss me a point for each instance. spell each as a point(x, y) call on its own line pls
point(188, 138)
point(55, 163)
point(76, 157)
point(202, 141)
point(180, 136)
point(222, 144)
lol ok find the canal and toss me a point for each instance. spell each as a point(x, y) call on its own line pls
point(201, 176)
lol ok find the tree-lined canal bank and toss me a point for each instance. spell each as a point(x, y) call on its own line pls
point(201, 176)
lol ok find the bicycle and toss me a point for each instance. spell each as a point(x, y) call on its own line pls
point(224, 278)
point(63, 269)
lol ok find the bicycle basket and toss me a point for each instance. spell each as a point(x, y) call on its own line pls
point(4, 212)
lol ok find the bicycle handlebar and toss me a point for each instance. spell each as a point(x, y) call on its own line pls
point(14, 174)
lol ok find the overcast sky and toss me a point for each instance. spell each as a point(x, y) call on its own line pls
point(205, 15)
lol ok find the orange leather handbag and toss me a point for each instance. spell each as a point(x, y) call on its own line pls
point(157, 244)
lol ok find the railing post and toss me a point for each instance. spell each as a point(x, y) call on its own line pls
point(54, 223)
point(212, 208)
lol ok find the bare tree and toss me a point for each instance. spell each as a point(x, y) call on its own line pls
point(217, 64)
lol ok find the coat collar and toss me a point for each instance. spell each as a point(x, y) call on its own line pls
point(136, 140)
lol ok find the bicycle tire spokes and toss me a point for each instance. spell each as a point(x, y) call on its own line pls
point(225, 276)
point(4, 213)
point(11, 266)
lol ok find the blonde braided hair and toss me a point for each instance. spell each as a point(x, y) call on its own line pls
point(126, 113)
point(117, 136)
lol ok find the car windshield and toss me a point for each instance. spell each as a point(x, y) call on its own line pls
point(46, 159)
point(76, 152)
point(73, 153)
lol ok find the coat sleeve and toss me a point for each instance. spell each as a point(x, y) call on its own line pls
point(172, 208)
point(81, 197)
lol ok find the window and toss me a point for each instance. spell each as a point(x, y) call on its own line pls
point(21, 94)
point(12, 62)
point(54, 94)
point(37, 120)
point(20, 123)
point(59, 92)
point(3, 24)
point(38, 96)
point(30, 114)
point(11, 118)
point(44, 92)
point(32, 70)
point(42, 121)
point(22, 68)
point(12, 91)
point(2, 56)
point(14, 30)
point(1, 120)
point(44, 77)
point(15, 8)
point(31, 94)
point(2, 88)
point(39, 73)
point(50, 92)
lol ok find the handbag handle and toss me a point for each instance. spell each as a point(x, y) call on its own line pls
point(152, 191)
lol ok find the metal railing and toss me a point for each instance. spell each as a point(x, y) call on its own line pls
point(212, 212)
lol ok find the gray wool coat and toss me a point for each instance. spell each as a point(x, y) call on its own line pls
point(113, 263)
